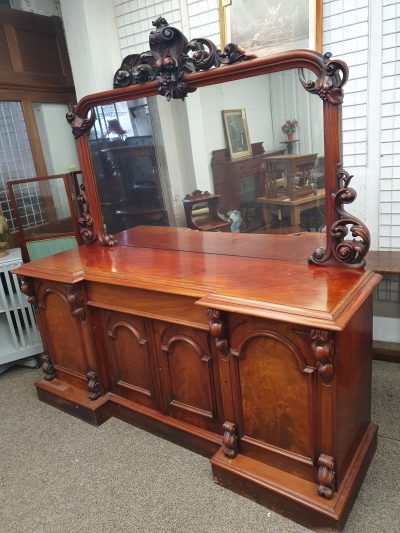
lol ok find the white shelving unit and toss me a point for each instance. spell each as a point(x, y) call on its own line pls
point(19, 336)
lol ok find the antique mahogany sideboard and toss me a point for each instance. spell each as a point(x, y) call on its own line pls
point(252, 349)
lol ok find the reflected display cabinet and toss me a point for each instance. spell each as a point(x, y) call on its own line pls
point(251, 348)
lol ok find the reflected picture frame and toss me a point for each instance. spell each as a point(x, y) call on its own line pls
point(266, 27)
point(237, 133)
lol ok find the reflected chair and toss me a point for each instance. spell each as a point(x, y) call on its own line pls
point(201, 210)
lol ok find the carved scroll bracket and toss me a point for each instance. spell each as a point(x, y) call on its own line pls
point(323, 348)
point(28, 288)
point(329, 86)
point(48, 367)
point(76, 300)
point(230, 440)
point(85, 222)
point(171, 57)
point(326, 476)
point(93, 385)
point(218, 330)
point(79, 125)
point(351, 252)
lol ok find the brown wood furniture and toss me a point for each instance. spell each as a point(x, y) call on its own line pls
point(295, 170)
point(228, 174)
point(234, 345)
point(281, 207)
point(201, 211)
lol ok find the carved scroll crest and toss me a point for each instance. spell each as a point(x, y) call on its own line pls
point(347, 251)
point(230, 441)
point(218, 330)
point(76, 301)
point(78, 124)
point(28, 288)
point(323, 347)
point(93, 385)
point(171, 57)
point(329, 85)
point(326, 476)
point(48, 367)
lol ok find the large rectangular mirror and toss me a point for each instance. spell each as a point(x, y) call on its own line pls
point(241, 156)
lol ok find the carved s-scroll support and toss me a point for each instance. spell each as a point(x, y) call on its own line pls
point(326, 476)
point(93, 385)
point(28, 288)
point(230, 440)
point(76, 300)
point(329, 85)
point(323, 348)
point(351, 252)
point(48, 367)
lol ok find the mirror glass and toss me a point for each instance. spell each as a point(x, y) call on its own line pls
point(242, 156)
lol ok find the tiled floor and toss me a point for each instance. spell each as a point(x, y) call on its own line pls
point(60, 475)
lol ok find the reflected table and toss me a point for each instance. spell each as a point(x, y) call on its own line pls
point(292, 208)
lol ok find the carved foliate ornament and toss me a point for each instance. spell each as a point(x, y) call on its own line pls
point(85, 222)
point(28, 288)
point(345, 250)
point(230, 440)
point(218, 330)
point(323, 348)
point(76, 300)
point(93, 385)
point(326, 476)
point(329, 85)
point(170, 58)
point(78, 124)
point(48, 368)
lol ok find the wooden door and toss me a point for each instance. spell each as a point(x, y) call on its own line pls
point(276, 393)
point(125, 352)
point(189, 375)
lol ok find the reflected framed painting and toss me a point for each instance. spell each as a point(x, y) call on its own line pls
point(267, 27)
point(237, 132)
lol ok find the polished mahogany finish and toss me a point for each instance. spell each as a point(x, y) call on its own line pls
point(268, 373)
point(233, 345)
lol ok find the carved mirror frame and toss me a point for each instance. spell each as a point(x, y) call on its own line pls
point(175, 67)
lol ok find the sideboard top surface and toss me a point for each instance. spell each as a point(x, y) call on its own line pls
point(177, 261)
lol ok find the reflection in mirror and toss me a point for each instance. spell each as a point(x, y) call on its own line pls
point(242, 156)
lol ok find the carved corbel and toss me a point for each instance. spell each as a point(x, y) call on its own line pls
point(230, 440)
point(171, 57)
point(80, 125)
point(326, 476)
point(76, 300)
point(323, 348)
point(48, 367)
point(28, 288)
point(93, 385)
point(348, 251)
point(328, 86)
point(218, 330)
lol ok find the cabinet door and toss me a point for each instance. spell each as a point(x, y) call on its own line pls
point(62, 332)
point(276, 393)
point(189, 375)
point(126, 357)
